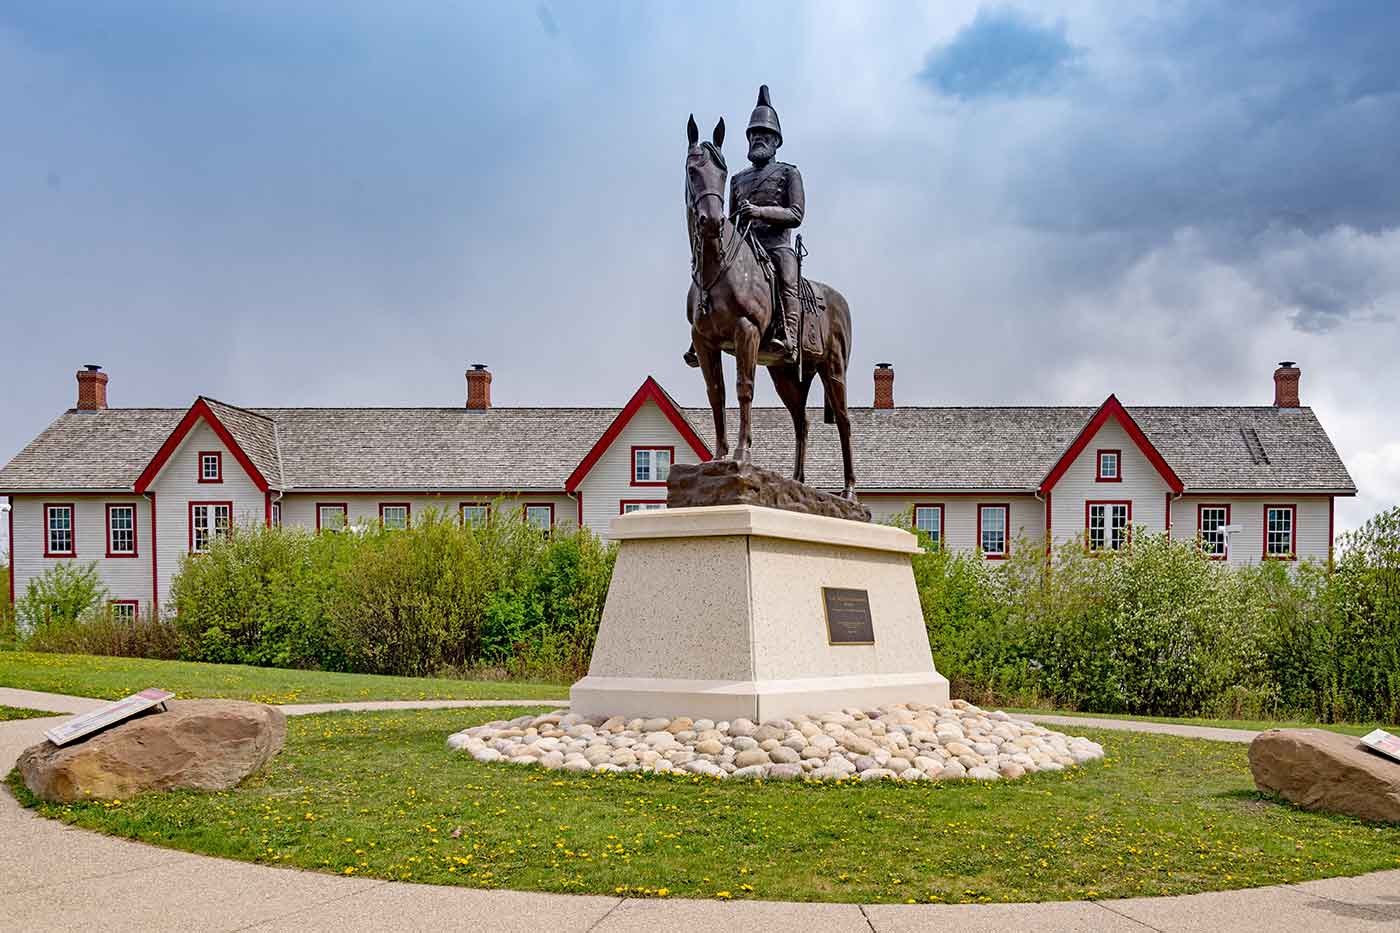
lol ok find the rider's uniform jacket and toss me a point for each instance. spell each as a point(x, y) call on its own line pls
point(777, 184)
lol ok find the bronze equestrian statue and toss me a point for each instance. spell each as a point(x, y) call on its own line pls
point(735, 259)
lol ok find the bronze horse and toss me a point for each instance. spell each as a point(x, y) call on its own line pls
point(730, 306)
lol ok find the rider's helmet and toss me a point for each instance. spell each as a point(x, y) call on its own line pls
point(764, 116)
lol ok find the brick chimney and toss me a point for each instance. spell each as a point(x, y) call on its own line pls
point(1286, 385)
point(92, 388)
point(884, 385)
point(478, 387)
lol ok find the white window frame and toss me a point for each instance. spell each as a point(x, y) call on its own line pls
point(1112, 533)
point(123, 610)
point(482, 516)
point(1215, 543)
point(539, 507)
point(112, 530)
point(276, 515)
point(630, 506)
point(205, 526)
point(1117, 461)
point(983, 530)
point(71, 529)
point(1269, 533)
point(206, 458)
point(649, 458)
point(332, 507)
point(935, 534)
point(384, 511)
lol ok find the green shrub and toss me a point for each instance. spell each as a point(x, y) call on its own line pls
point(9, 635)
point(59, 596)
point(97, 631)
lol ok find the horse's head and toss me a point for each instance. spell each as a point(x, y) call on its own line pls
point(705, 173)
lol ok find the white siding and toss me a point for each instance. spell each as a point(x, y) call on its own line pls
point(177, 485)
point(1312, 533)
point(299, 508)
point(1142, 485)
point(124, 577)
point(609, 482)
point(960, 515)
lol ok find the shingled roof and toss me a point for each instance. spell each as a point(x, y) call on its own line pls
point(1010, 449)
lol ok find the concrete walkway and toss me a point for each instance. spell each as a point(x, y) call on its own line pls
point(54, 877)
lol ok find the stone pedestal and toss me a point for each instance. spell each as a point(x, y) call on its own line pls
point(718, 613)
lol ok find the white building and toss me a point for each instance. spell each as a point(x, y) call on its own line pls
point(137, 488)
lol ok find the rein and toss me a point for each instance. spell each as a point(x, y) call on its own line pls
point(729, 249)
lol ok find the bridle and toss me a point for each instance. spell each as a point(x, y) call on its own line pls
point(728, 249)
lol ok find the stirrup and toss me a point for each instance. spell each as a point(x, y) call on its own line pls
point(691, 359)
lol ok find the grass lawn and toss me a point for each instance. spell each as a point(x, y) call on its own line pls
point(11, 713)
point(378, 794)
point(1254, 725)
point(113, 678)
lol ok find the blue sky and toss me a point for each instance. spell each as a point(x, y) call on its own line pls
point(345, 203)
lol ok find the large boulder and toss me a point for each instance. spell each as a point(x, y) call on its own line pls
point(1321, 770)
point(198, 744)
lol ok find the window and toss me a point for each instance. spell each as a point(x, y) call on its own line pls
point(628, 506)
point(211, 466)
point(121, 531)
point(208, 520)
point(394, 515)
point(1110, 466)
point(929, 520)
point(475, 514)
point(651, 465)
point(1210, 527)
point(330, 516)
point(123, 610)
point(276, 515)
point(1280, 525)
point(1107, 524)
point(60, 537)
point(540, 515)
point(991, 530)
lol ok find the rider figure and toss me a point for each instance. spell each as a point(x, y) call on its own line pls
point(769, 197)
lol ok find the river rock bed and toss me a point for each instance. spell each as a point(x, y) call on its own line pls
point(904, 741)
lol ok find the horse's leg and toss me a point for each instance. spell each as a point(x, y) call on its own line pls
point(713, 370)
point(746, 339)
point(793, 392)
point(834, 386)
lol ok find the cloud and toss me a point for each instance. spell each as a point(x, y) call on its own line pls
point(1001, 53)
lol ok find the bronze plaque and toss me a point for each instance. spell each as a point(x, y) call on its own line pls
point(848, 619)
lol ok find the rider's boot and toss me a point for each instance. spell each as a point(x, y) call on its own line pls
point(690, 358)
point(792, 308)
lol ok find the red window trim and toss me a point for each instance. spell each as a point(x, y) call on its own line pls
point(632, 463)
point(1201, 507)
point(525, 511)
point(218, 456)
point(623, 503)
point(343, 505)
point(463, 505)
point(1006, 506)
point(189, 518)
point(407, 515)
point(72, 528)
point(135, 605)
point(942, 513)
point(135, 544)
point(1293, 531)
point(1108, 528)
point(1098, 465)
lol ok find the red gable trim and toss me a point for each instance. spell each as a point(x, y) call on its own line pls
point(1112, 408)
point(199, 410)
point(650, 391)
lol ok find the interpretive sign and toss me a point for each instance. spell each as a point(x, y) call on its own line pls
point(848, 620)
point(111, 714)
point(1383, 742)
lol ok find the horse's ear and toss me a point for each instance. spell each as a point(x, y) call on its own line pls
point(692, 131)
point(719, 134)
